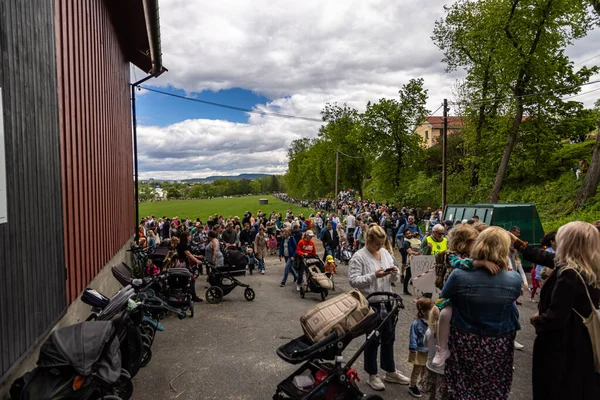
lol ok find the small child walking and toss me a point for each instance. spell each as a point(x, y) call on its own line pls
point(417, 349)
point(330, 267)
point(252, 260)
point(434, 382)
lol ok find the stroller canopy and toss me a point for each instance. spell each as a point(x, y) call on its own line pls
point(84, 347)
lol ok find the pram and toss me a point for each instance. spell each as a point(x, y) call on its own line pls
point(315, 280)
point(80, 361)
point(174, 286)
point(346, 252)
point(222, 281)
point(322, 371)
point(235, 261)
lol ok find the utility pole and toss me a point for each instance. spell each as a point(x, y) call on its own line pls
point(444, 144)
point(337, 156)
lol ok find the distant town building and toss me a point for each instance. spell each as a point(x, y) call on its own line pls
point(431, 129)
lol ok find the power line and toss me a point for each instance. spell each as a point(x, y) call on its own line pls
point(248, 110)
point(433, 113)
point(581, 94)
point(591, 58)
point(347, 155)
point(487, 101)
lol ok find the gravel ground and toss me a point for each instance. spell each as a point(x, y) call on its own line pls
point(227, 351)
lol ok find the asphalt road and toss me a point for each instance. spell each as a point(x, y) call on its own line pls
point(227, 351)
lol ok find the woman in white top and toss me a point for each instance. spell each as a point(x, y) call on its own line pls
point(372, 269)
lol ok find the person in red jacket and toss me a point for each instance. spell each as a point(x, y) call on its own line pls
point(305, 246)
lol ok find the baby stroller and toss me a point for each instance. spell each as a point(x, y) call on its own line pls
point(315, 280)
point(80, 361)
point(346, 252)
point(174, 286)
point(222, 281)
point(235, 261)
point(322, 375)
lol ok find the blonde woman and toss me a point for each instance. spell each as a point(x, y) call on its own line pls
point(484, 322)
point(563, 364)
point(372, 269)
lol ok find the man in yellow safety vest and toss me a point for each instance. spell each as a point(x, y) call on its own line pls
point(436, 242)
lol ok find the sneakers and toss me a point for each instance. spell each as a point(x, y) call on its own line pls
point(375, 382)
point(396, 377)
point(282, 284)
point(440, 357)
point(297, 288)
point(262, 272)
point(414, 391)
point(518, 346)
point(533, 300)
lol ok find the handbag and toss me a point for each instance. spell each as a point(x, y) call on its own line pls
point(592, 323)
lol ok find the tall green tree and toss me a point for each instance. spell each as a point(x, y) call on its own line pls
point(342, 132)
point(389, 128)
point(589, 187)
point(528, 58)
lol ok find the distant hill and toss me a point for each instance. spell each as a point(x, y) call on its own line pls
point(230, 177)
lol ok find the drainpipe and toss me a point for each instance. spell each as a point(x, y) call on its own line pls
point(135, 152)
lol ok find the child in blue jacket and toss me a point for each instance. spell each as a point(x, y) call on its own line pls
point(417, 349)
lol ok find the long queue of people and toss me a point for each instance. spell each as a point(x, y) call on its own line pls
point(461, 346)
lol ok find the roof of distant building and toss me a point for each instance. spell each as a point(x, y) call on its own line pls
point(438, 122)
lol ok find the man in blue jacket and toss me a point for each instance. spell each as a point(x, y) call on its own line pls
point(287, 250)
point(412, 227)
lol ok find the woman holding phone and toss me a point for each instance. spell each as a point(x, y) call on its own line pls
point(372, 269)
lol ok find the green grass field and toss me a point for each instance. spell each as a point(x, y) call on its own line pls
point(226, 207)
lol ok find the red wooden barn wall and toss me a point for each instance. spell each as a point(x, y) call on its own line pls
point(96, 146)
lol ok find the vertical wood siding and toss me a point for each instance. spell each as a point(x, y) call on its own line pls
point(95, 139)
point(32, 274)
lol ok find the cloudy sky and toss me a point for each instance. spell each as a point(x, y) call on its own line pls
point(284, 57)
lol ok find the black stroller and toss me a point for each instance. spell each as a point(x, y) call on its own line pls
point(310, 266)
point(322, 375)
point(222, 281)
point(174, 285)
point(80, 361)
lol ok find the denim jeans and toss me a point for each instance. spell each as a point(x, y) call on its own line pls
point(289, 267)
point(261, 264)
point(386, 339)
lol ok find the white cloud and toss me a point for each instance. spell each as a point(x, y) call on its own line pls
point(302, 55)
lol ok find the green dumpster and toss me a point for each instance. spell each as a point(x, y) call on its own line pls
point(523, 215)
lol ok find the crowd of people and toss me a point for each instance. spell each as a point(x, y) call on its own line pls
point(462, 345)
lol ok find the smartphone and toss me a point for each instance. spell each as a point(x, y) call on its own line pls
point(388, 270)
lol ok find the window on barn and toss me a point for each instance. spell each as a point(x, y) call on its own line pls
point(426, 135)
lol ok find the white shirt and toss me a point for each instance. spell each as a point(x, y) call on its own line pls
point(361, 272)
point(350, 221)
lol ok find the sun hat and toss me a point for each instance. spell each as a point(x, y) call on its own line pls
point(329, 258)
point(310, 233)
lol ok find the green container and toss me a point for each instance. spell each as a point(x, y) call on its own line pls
point(523, 215)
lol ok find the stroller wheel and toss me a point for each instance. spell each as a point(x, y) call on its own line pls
point(249, 294)
point(302, 292)
point(191, 308)
point(324, 294)
point(123, 389)
point(147, 356)
point(214, 294)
